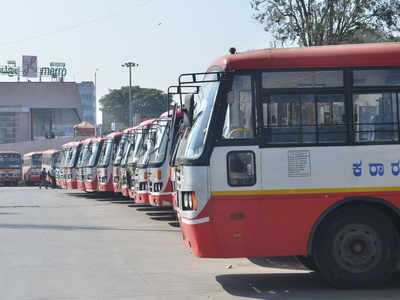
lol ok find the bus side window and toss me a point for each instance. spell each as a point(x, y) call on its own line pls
point(241, 168)
point(239, 114)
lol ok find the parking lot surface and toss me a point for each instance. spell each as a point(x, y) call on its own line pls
point(58, 245)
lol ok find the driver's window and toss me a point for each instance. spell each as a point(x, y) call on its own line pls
point(239, 114)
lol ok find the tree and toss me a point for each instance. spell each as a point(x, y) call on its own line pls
point(328, 22)
point(149, 103)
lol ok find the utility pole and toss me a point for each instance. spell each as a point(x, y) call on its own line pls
point(95, 101)
point(131, 107)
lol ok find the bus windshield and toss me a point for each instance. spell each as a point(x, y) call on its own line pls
point(72, 157)
point(93, 151)
point(55, 159)
point(83, 156)
point(59, 160)
point(10, 161)
point(129, 146)
point(135, 152)
point(105, 155)
point(121, 150)
point(147, 148)
point(192, 145)
point(37, 161)
point(157, 155)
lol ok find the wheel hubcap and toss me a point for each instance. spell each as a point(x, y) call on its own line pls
point(357, 248)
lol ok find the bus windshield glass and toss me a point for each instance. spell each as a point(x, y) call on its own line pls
point(105, 155)
point(93, 151)
point(73, 152)
point(135, 152)
point(121, 150)
point(157, 155)
point(83, 156)
point(147, 147)
point(55, 159)
point(37, 161)
point(10, 161)
point(192, 145)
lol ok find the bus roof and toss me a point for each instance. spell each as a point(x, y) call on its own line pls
point(146, 123)
point(9, 152)
point(50, 152)
point(33, 153)
point(356, 55)
point(114, 135)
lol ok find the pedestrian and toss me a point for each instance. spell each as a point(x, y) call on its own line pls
point(43, 180)
point(52, 178)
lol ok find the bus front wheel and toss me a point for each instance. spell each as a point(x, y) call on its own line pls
point(356, 247)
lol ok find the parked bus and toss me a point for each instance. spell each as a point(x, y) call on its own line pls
point(295, 152)
point(49, 161)
point(138, 178)
point(91, 180)
point(122, 149)
point(71, 163)
point(125, 175)
point(80, 165)
point(60, 164)
point(159, 178)
point(10, 168)
point(61, 177)
point(32, 167)
point(106, 161)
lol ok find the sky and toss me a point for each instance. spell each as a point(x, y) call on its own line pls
point(165, 38)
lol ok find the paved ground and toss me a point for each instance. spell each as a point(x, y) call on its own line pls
point(57, 245)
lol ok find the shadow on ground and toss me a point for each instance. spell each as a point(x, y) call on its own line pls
point(298, 286)
point(72, 228)
point(153, 208)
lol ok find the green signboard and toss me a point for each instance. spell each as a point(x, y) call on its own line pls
point(9, 70)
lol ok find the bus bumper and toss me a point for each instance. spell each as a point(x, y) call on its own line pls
point(160, 199)
point(142, 197)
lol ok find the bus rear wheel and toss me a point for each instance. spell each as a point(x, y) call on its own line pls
point(356, 247)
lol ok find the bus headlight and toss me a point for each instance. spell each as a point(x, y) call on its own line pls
point(189, 201)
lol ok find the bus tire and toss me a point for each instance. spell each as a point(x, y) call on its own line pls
point(356, 247)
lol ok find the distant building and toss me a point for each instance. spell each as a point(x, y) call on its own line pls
point(87, 94)
point(38, 110)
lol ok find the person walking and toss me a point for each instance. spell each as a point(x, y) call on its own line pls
point(52, 177)
point(43, 180)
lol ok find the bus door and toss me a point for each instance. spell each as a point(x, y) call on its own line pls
point(235, 173)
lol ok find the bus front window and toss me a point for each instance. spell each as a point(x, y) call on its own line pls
point(160, 148)
point(194, 138)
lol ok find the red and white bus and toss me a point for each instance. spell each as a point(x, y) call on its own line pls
point(126, 181)
point(81, 163)
point(10, 167)
point(32, 167)
point(295, 152)
point(106, 161)
point(139, 186)
point(71, 175)
point(120, 160)
point(49, 162)
point(91, 180)
point(159, 178)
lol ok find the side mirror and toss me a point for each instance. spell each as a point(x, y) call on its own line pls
point(188, 107)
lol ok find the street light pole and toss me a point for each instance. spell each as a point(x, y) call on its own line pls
point(131, 107)
point(95, 100)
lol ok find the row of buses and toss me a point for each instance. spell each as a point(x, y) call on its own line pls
point(134, 162)
point(15, 168)
point(275, 152)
